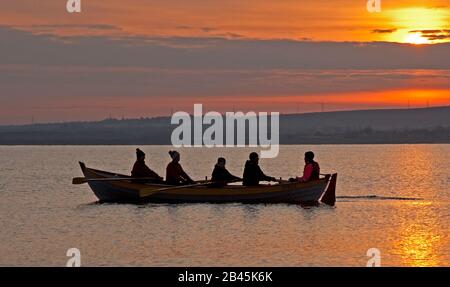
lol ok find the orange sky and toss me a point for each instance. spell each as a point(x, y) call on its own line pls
point(134, 107)
point(319, 20)
point(223, 54)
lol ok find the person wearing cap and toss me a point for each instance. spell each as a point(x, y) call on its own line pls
point(141, 170)
point(311, 171)
point(175, 174)
point(220, 175)
point(253, 173)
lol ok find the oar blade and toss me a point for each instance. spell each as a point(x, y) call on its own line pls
point(329, 197)
point(79, 180)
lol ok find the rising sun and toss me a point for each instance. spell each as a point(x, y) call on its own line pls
point(415, 24)
point(416, 38)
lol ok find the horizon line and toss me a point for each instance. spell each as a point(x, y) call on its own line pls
point(110, 118)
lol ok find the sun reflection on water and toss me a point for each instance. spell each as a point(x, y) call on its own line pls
point(419, 238)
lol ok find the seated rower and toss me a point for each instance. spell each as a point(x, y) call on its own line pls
point(311, 171)
point(175, 174)
point(140, 169)
point(253, 173)
point(220, 175)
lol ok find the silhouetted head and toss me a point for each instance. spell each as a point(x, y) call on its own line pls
point(254, 157)
point(221, 162)
point(309, 157)
point(140, 155)
point(174, 155)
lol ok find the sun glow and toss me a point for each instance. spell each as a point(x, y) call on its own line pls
point(416, 38)
point(419, 25)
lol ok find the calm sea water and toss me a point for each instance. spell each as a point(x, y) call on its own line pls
point(392, 197)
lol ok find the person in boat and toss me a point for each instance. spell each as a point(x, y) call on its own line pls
point(253, 173)
point(175, 174)
point(141, 170)
point(311, 171)
point(220, 175)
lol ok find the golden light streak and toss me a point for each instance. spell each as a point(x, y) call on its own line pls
point(416, 38)
point(411, 21)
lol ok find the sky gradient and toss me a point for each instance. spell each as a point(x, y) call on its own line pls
point(148, 58)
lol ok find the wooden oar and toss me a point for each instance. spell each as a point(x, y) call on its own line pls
point(149, 191)
point(81, 180)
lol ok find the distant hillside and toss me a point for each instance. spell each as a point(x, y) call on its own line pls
point(376, 119)
point(427, 125)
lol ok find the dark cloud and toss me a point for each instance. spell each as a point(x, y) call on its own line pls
point(74, 26)
point(384, 31)
point(19, 47)
point(229, 35)
point(433, 34)
point(183, 27)
point(426, 31)
point(433, 37)
point(207, 29)
point(40, 68)
point(149, 74)
point(25, 82)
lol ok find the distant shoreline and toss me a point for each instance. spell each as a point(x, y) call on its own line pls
point(166, 117)
point(393, 126)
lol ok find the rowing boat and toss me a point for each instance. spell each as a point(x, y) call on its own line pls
point(106, 189)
